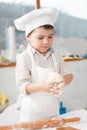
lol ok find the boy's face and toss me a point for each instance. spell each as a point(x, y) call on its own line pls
point(41, 39)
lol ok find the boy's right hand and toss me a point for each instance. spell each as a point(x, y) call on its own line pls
point(55, 88)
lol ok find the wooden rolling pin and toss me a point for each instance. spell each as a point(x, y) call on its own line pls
point(39, 124)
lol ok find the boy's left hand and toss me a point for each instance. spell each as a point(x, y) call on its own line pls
point(58, 88)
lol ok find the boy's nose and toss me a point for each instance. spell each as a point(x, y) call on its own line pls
point(45, 41)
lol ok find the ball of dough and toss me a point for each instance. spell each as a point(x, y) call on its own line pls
point(56, 77)
point(53, 77)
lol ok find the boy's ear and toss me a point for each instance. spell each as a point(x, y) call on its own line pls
point(27, 37)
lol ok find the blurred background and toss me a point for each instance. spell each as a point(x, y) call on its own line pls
point(71, 22)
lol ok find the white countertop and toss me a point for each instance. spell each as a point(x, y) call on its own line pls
point(11, 116)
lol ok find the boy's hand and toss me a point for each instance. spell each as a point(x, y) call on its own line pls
point(58, 88)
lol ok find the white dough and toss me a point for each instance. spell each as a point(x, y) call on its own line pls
point(54, 77)
point(57, 78)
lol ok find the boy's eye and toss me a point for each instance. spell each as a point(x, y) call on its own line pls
point(40, 38)
point(51, 37)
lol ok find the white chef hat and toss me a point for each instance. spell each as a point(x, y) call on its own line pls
point(36, 18)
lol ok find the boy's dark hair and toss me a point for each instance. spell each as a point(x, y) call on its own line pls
point(47, 27)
